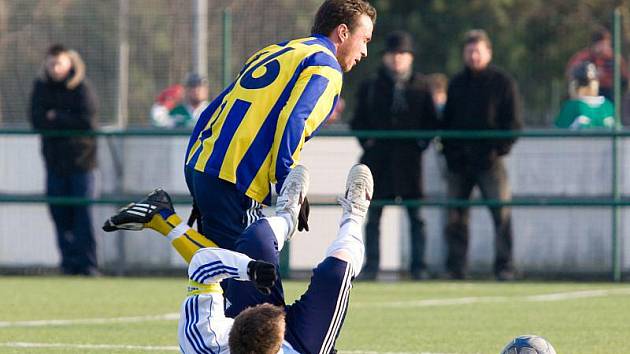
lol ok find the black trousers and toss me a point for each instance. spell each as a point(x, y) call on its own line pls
point(372, 239)
point(493, 184)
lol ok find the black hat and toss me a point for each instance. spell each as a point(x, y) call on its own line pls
point(584, 73)
point(399, 42)
point(194, 80)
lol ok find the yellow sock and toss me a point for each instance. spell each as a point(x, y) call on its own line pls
point(189, 242)
point(183, 238)
point(162, 226)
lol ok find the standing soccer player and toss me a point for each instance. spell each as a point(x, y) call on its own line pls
point(252, 134)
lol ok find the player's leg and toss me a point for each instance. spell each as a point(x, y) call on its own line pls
point(156, 212)
point(264, 239)
point(314, 321)
point(225, 211)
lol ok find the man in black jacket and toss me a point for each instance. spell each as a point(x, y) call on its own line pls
point(396, 99)
point(63, 100)
point(481, 97)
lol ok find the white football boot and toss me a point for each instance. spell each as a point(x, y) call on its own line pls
point(292, 195)
point(359, 189)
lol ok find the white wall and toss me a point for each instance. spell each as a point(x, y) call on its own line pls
point(546, 239)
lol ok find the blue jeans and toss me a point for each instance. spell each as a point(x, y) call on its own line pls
point(73, 223)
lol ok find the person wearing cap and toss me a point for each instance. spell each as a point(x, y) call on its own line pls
point(480, 97)
point(166, 100)
point(395, 98)
point(185, 115)
point(600, 53)
point(585, 108)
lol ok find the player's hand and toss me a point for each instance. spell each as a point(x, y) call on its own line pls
point(305, 209)
point(263, 275)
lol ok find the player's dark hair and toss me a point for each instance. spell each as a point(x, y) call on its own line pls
point(56, 49)
point(475, 36)
point(258, 330)
point(333, 13)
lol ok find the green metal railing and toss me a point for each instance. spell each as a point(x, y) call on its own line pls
point(615, 201)
point(329, 133)
point(616, 214)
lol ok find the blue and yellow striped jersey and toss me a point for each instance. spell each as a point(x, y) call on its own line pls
point(253, 132)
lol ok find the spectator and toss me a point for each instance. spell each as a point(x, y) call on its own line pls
point(195, 101)
point(480, 97)
point(600, 53)
point(586, 108)
point(63, 99)
point(438, 84)
point(168, 99)
point(397, 98)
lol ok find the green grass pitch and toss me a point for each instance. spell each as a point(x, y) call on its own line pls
point(136, 315)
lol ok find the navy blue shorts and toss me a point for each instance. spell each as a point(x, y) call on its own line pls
point(225, 211)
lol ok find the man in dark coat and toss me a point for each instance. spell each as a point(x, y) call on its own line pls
point(63, 100)
point(481, 97)
point(396, 99)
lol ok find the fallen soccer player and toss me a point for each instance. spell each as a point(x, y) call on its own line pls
point(311, 324)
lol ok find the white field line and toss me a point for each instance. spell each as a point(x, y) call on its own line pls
point(583, 294)
point(578, 295)
point(151, 348)
point(40, 323)
point(373, 352)
point(89, 346)
point(391, 304)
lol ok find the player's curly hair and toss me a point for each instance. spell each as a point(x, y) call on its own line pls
point(333, 13)
point(258, 330)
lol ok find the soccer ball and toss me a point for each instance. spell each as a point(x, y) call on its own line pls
point(529, 344)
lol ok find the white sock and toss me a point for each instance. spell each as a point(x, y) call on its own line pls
point(355, 218)
point(352, 227)
point(178, 231)
point(350, 239)
point(280, 225)
point(288, 219)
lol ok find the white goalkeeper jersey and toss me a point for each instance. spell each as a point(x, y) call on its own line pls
point(203, 327)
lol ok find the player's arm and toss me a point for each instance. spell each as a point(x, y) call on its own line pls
point(212, 265)
point(311, 102)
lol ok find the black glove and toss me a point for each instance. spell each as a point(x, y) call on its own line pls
point(263, 275)
point(195, 216)
point(305, 209)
